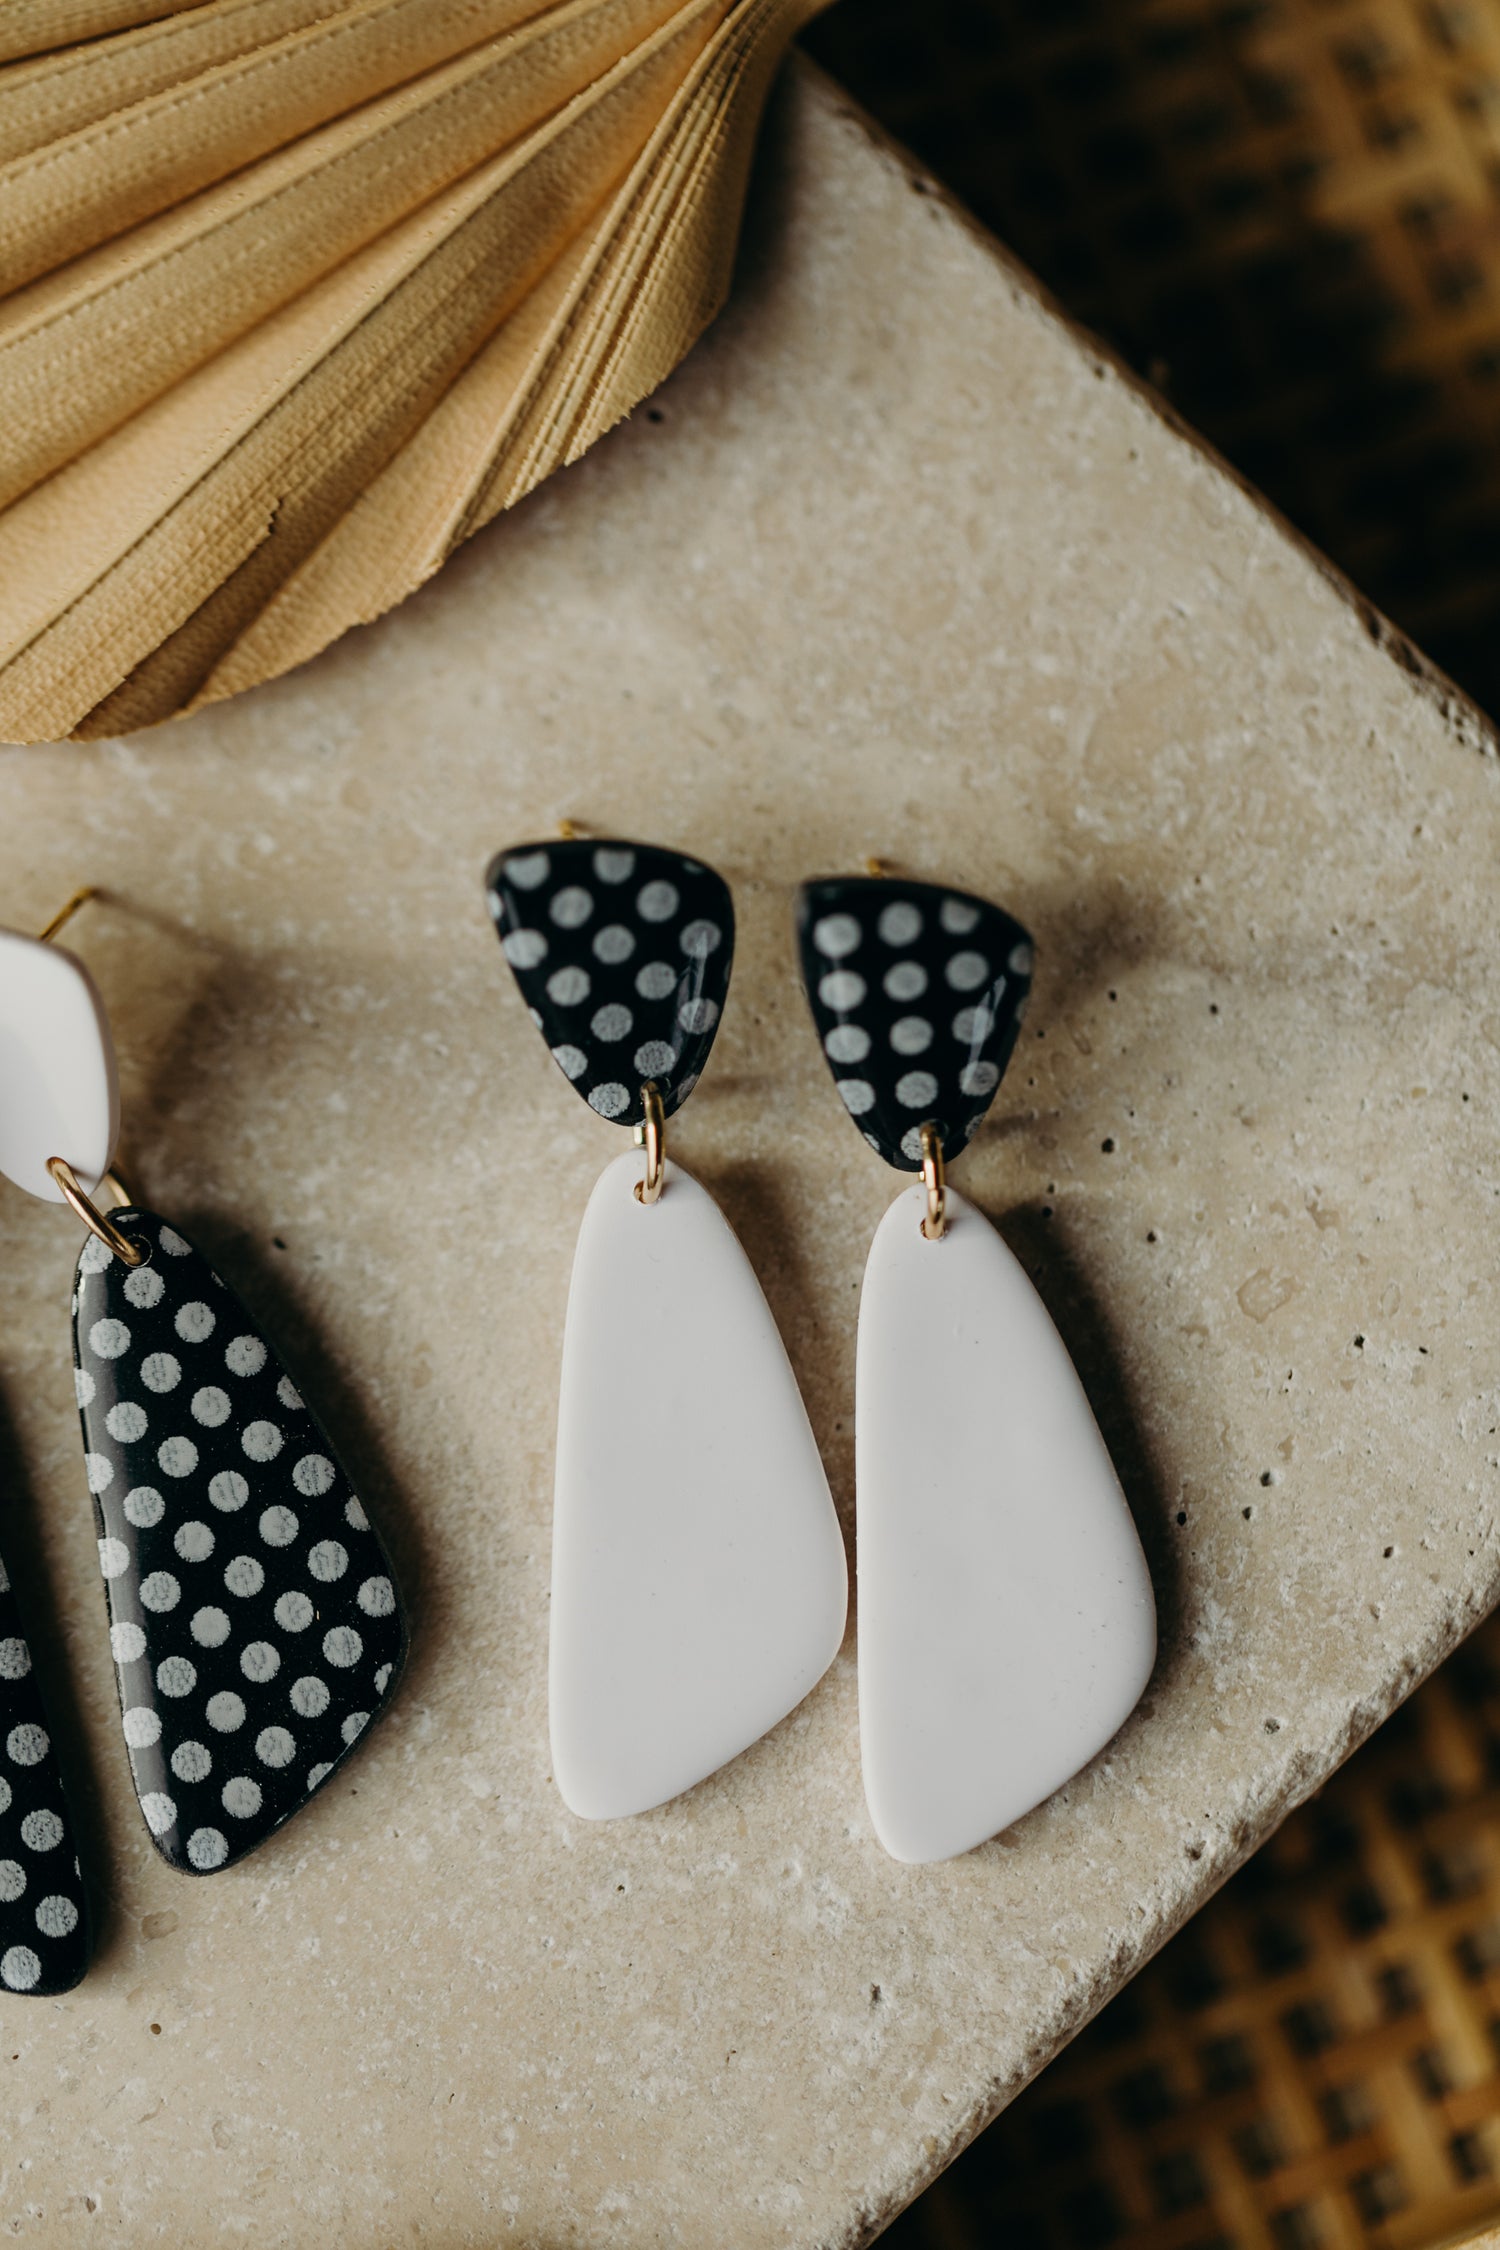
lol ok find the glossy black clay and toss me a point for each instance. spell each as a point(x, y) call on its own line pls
point(622, 952)
point(918, 994)
point(44, 1938)
point(255, 1625)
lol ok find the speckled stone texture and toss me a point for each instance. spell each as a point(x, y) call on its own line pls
point(896, 565)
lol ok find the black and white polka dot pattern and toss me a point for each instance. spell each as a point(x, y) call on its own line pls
point(918, 994)
point(255, 1625)
point(622, 952)
point(44, 1938)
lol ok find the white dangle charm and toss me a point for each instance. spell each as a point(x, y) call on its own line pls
point(1006, 1625)
point(698, 1579)
point(699, 1586)
point(1006, 1620)
point(59, 1091)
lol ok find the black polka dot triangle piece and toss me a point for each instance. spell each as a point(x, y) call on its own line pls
point(1006, 1619)
point(622, 952)
point(918, 994)
point(254, 1621)
point(698, 1594)
point(44, 1938)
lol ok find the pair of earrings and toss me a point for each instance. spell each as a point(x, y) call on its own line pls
point(699, 1589)
point(253, 1618)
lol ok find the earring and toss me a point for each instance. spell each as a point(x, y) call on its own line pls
point(1006, 1622)
point(254, 1622)
point(699, 1587)
point(44, 1938)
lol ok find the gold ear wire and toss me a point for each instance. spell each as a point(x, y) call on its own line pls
point(80, 897)
point(877, 867)
point(569, 831)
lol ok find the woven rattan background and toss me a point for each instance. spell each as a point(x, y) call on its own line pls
point(1314, 2063)
point(1286, 212)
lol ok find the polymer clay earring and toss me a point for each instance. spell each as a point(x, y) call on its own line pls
point(1006, 1620)
point(699, 1587)
point(44, 1938)
point(254, 1622)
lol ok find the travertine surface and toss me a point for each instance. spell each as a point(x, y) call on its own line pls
point(896, 567)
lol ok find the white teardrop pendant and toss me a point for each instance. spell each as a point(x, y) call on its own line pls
point(699, 1586)
point(1006, 1621)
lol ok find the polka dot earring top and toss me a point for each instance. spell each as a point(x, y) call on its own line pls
point(918, 994)
point(254, 1621)
point(622, 952)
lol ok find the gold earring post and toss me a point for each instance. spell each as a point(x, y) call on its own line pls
point(652, 1135)
point(80, 897)
point(935, 1179)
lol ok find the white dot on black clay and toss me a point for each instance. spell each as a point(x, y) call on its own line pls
point(847, 1043)
point(841, 990)
point(161, 1372)
point(611, 1022)
point(528, 870)
point(525, 949)
point(911, 1035)
point(614, 864)
point(957, 916)
point(697, 1016)
point(836, 935)
point(917, 1089)
point(613, 944)
point(569, 986)
point(967, 971)
point(571, 908)
point(700, 938)
point(857, 1095)
point(245, 1355)
point(262, 1441)
point(611, 1099)
point(207, 1849)
point(900, 922)
point(657, 902)
point(42, 1831)
point(905, 980)
point(194, 1322)
point(570, 1060)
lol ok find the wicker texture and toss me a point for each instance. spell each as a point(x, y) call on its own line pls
point(1314, 2064)
point(1287, 212)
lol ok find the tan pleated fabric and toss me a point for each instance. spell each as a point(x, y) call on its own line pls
point(294, 297)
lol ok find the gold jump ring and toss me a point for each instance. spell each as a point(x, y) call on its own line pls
point(935, 1180)
point(653, 1133)
point(130, 1253)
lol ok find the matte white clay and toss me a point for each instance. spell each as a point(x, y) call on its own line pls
point(699, 1586)
point(59, 1092)
point(1006, 1621)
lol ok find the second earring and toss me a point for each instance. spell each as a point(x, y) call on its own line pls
point(698, 1577)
